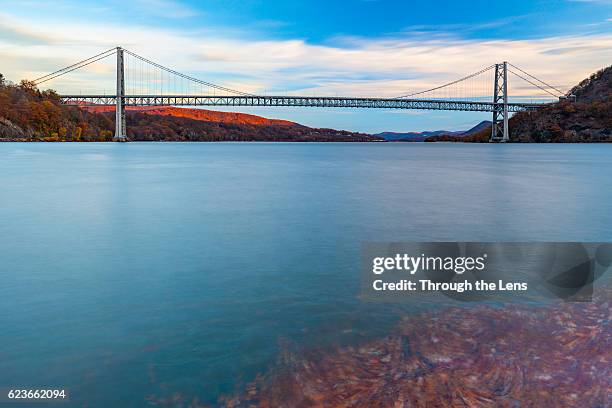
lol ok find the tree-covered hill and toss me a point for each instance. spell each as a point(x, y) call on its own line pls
point(28, 114)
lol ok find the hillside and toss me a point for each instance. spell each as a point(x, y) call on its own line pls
point(27, 114)
point(198, 114)
point(145, 126)
point(588, 119)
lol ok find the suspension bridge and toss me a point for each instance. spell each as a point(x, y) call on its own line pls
point(142, 82)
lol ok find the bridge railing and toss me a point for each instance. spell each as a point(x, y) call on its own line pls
point(295, 101)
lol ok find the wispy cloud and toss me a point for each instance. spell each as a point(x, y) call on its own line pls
point(23, 35)
point(466, 27)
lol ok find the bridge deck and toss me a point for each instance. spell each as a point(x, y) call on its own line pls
point(306, 101)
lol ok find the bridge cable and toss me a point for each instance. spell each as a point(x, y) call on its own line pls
point(534, 84)
point(448, 84)
point(73, 69)
point(187, 76)
point(78, 65)
point(539, 80)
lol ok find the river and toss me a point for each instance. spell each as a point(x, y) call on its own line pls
point(139, 269)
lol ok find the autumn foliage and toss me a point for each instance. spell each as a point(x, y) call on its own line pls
point(28, 114)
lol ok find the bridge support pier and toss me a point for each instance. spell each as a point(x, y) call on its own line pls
point(120, 128)
point(499, 126)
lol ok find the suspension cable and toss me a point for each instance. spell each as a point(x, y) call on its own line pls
point(61, 71)
point(113, 51)
point(187, 76)
point(448, 84)
point(75, 68)
point(537, 79)
point(532, 83)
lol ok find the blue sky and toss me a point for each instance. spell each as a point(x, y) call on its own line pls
point(319, 20)
point(352, 47)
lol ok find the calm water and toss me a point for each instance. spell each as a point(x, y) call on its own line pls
point(134, 269)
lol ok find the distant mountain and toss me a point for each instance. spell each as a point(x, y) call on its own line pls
point(421, 136)
point(411, 136)
point(485, 124)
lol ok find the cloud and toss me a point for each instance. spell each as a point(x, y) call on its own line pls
point(385, 67)
point(10, 31)
point(574, 51)
point(444, 29)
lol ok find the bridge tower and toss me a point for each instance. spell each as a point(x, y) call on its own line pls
point(120, 129)
point(499, 127)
